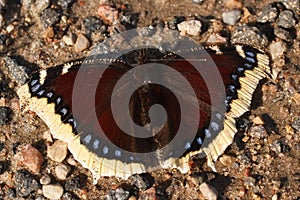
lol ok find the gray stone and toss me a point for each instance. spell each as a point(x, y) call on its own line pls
point(65, 3)
point(140, 181)
point(231, 17)
point(296, 123)
point(276, 146)
point(49, 17)
point(82, 43)
point(117, 194)
point(25, 183)
point(291, 4)
point(16, 70)
point(249, 36)
point(268, 14)
point(5, 115)
point(76, 182)
point(286, 19)
point(258, 132)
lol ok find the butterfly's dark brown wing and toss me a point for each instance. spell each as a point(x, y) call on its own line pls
point(76, 116)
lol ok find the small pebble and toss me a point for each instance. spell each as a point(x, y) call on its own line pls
point(64, 19)
point(2, 20)
point(192, 27)
point(5, 115)
point(268, 14)
point(275, 197)
point(32, 158)
point(62, 171)
point(132, 198)
point(45, 179)
point(16, 70)
point(246, 35)
point(256, 197)
point(10, 28)
point(25, 183)
point(276, 146)
point(40, 6)
point(258, 121)
point(198, 1)
point(69, 39)
point(131, 20)
point(3, 101)
point(140, 181)
point(216, 39)
point(82, 43)
point(258, 132)
point(72, 161)
point(108, 13)
point(93, 24)
point(49, 17)
point(65, 3)
point(119, 194)
point(277, 49)
point(208, 191)
point(249, 182)
point(47, 136)
point(53, 191)
point(226, 160)
point(286, 19)
point(58, 151)
point(296, 123)
point(231, 17)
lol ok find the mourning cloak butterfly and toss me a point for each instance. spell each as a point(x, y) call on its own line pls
point(49, 93)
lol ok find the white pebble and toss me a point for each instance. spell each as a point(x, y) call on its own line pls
point(53, 191)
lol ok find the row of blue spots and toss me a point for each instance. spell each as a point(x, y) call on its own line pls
point(96, 145)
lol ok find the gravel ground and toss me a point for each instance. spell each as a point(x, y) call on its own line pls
point(262, 163)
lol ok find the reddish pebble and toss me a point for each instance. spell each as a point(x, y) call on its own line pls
point(32, 158)
point(247, 172)
point(108, 13)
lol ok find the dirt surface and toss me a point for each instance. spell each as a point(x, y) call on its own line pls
point(262, 163)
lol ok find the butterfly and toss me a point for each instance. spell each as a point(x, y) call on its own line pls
point(82, 103)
